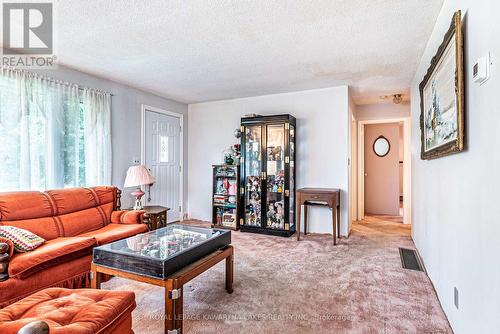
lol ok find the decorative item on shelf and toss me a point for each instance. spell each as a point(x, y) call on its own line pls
point(231, 155)
point(275, 215)
point(228, 156)
point(138, 176)
point(220, 212)
point(442, 106)
point(236, 153)
point(274, 153)
point(237, 133)
point(275, 183)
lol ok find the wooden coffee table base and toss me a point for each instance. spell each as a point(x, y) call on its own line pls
point(174, 283)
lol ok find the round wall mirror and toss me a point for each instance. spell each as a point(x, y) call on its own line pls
point(381, 146)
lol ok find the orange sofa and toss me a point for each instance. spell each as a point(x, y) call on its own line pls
point(72, 221)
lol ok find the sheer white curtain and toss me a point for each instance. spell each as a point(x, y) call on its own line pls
point(44, 141)
point(97, 115)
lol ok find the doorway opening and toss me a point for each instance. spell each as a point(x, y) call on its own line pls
point(383, 169)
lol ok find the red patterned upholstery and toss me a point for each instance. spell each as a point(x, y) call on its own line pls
point(72, 311)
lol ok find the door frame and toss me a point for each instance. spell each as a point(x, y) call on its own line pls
point(144, 108)
point(406, 166)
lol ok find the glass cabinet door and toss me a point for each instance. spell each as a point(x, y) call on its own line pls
point(253, 172)
point(275, 169)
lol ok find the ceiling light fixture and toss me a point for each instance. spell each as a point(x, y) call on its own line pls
point(397, 99)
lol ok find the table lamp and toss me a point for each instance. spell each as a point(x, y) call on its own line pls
point(138, 176)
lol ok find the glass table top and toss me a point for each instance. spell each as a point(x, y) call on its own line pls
point(162, 244)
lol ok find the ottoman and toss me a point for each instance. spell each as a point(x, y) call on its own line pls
point(66, 311)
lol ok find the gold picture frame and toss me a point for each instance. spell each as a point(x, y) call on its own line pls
point(442, 125)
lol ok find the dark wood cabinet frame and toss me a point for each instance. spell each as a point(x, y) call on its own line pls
point(264, 121)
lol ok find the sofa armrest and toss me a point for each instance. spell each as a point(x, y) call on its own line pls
point(35, 327)
point(6, 251)
point(128, 217)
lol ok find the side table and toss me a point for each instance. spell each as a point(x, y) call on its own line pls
point(328, 197)
point(157, 216)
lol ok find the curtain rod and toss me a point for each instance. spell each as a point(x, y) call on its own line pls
point(43, 77)
point(83, 88)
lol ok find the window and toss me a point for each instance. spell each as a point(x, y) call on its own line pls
point(74, 149)
point(52, 134)
point(164, 148)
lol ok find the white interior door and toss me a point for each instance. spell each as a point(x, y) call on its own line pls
point(162, 148)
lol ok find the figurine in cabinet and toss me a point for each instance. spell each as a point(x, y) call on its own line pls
point(219, 216)
point(271, 213)
point(232, 188)
point(274, 153)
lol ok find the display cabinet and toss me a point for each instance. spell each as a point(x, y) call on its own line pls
point(225, 197)
point(267, 175)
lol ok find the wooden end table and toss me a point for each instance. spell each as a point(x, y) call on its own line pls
point(157, 216)
point(329, 197)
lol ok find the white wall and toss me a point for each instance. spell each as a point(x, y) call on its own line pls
point(322, 145)
point(455, 200)
point(125, 120)
point(382, 111)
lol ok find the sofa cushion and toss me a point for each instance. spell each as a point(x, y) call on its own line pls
point(24, 205)
point(58, 213)
point(76, 199)
point(46, 228)
point(23, 240)
point(72, 274)
point(81, 311)
point(76, 223)
point(113, 232)
point(127, 216)
point(50, 254)
point(104, 194)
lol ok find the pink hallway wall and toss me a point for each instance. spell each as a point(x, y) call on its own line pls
point(382, 173)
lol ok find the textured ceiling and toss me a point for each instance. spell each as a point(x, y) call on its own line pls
point(194, 51)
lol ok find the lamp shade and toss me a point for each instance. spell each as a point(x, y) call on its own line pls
point(138, 176)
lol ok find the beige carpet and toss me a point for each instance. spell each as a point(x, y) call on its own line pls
point(311, 286)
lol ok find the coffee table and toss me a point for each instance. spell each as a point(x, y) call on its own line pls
point(168, 257)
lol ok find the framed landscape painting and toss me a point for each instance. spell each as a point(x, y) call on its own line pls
point(442, 97)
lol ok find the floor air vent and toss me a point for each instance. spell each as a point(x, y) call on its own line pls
point(409, 259)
